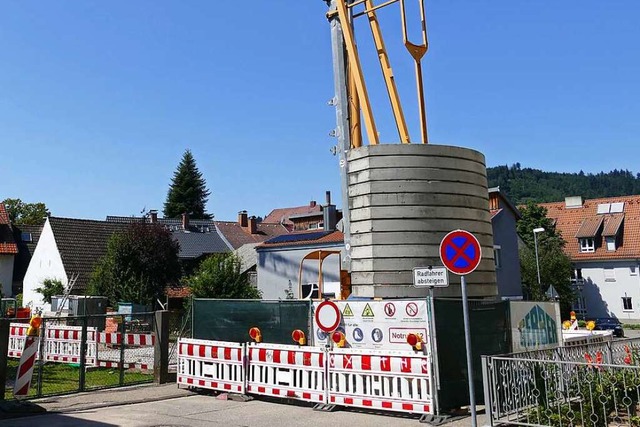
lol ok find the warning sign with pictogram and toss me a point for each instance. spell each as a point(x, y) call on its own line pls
point(367, 312)
point(374, 324)
point(389, 309)
point(346, 312)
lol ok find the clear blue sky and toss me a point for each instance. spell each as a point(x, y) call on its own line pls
point(98, 100)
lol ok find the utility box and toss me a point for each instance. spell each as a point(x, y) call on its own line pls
point(130, 309)
point(80, 305)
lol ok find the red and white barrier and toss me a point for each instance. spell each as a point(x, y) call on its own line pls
point(384, 380)
point(63, 344)
point(129, 339)
point(17, 335)
point(212, 365)
point(25, 369)
point(287, 371)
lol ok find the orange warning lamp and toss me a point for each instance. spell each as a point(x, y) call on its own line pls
point(415, 341)
point(255, 334)
point(34, 326)
point(339, 338)
point(298, 336)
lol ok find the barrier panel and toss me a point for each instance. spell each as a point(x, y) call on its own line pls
point(384, 380)
point(17, 335)
point(213, 365)
point(62, 344)
point(287, 371)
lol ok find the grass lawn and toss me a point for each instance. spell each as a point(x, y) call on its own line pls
point(60, 378)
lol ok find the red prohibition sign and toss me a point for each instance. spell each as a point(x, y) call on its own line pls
point(460, 252)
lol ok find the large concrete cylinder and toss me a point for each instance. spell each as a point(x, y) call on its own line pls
point(403, 199)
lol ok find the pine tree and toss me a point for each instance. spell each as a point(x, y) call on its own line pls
point(188, 191)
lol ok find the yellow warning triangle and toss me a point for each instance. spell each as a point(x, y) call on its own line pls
point(347, 311)
point(367, 312)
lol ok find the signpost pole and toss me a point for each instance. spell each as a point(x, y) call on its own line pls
point(467, 340)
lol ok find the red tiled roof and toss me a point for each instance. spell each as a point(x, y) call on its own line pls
point(8, 248)
point(282, 215)
point(334, 237)
point(590, 227)
point(177, 291)
point(237, 235)
point(4, 215)
point(613, 225)
point(569, 220)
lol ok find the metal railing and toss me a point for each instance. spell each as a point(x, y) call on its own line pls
point(590, 385)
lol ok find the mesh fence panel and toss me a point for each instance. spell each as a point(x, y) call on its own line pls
point(230, 320)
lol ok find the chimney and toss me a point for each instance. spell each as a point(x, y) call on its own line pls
point(312, 204)
point(153, 216)
point(253, 224)
point(329, 214)
point(185, 221)
point(242, 218)
point(573, 202)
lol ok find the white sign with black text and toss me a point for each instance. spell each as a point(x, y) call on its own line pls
point(424, 277)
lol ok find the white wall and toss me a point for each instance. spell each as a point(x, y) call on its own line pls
point(277, 266)
point(604, 297)
point(46, 263)
point(6, 274)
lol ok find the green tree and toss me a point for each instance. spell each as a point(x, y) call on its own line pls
point(555, 265)
point(140, 262)
point(188, 191)
point(26, 213)
point(220, 276)
point(50, 288)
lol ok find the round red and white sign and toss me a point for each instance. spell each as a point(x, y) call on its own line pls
point(328, 316)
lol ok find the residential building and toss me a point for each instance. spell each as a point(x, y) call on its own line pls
point(8, 252)
point(603, 241)
point(289, 265)
point(504, 216)
point(303, 218)
point(68, 250)
point(26, 238)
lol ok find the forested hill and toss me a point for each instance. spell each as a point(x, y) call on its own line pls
point(524, 184)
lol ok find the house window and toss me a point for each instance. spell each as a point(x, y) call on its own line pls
point(497, 256)
point(633, 270)
point(609, 275)
point(26, 237)
point(312, 226)
point(627, 304)
point(611, 243)
point(587, 245)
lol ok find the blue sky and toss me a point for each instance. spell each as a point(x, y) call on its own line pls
point(98, 100)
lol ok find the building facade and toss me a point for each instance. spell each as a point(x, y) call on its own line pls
point(603, 241)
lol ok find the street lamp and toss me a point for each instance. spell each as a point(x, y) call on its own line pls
point(535, 241)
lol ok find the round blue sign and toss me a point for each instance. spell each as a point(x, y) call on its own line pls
point(460, 252)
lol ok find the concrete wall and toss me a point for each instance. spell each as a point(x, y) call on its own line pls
point(403, 199)
point(505, 236)
point(277, 266)
point(6, 274)
point(603, 297)
point(46, 263)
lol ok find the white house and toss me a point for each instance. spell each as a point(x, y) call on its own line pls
point(603, 242)
point(67, 248)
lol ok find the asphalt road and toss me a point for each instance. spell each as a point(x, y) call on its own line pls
point(200, 410)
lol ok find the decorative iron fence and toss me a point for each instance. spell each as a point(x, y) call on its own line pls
point(591, 385)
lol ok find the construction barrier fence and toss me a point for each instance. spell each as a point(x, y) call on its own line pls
point(397, 381)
